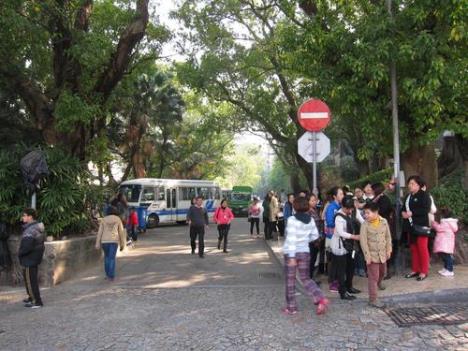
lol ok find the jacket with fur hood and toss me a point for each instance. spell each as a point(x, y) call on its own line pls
point(111, 231)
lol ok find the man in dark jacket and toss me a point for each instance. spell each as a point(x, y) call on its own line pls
point(30, 255)
point(197, 218)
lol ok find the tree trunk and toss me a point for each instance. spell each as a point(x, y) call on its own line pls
point(422, 161)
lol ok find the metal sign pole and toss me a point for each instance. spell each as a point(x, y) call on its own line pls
point(33, 200)
point(314, 162)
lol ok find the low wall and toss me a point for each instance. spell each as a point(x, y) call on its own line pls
point(62, 260)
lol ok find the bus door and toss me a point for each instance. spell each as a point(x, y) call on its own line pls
point(171, 204)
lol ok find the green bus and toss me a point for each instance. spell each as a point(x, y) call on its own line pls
point(240, 199)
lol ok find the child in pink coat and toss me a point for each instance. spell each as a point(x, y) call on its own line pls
point(444, 243)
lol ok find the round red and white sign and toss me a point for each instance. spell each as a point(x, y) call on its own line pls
point(314, 115)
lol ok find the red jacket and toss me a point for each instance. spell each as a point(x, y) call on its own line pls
point(132, 219)
point(223, 215)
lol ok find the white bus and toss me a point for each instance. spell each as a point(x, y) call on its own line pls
point(168, 200)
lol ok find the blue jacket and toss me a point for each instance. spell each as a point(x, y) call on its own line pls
point(287, 211)
point(332, 209)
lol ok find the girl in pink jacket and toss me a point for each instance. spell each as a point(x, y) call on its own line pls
point(223, 217)
point(444, 243)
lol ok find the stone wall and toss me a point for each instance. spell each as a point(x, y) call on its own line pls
point(62, 260)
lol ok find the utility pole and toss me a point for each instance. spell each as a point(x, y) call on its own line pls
point(396, 133)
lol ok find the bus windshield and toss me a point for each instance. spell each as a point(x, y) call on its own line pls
point(131, 192)
point(240, 197)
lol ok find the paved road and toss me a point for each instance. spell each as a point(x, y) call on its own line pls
point(166, 299)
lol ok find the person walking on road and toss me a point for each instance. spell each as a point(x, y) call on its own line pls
point(266, 215)
point(300, 231)
point(30, 254)
point(223, 217)
point(444, 243)
point(255, 210)
point(111, 235)
point(416, 208)
point(376, 245)
point(197, 218)
point(288, 209)
point(317, 245)
point(274, 212)
point(132, 225)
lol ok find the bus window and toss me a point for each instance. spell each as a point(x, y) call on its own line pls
point(186, 193)
point(131, 192)
point(148, 194)
point(161, 194)
point(217, 194)
point(203, 192)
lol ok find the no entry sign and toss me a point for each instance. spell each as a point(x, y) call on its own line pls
point(314, 115)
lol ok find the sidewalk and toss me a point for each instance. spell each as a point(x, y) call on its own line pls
point(398, 286)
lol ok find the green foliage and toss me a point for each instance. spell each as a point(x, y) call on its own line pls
point(450, 193)
point(65, 199)
point(380, 176)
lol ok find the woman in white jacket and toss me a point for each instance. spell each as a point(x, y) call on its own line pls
point(300, 231)
point(341, 246)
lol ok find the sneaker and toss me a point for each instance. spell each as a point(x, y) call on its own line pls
point(347, 296)
point(448, 274)
point(27, 300)
point(333, 287)
point(288, 312)
point(381, 286)
point(442, 271)
point(33, 305)
point(322, 306)
point(354, 291)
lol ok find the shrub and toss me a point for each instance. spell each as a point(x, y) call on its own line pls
point(383, 175)
point(65, 199)
point(450, 193)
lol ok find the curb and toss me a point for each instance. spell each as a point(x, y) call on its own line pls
point(436, 296)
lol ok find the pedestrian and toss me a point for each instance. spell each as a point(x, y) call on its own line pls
point(288, 209)
point(266, 214)
point(342, 248)
point(111, 235)
point(132, 224)
point(444, 242)
point(274, 211)
point(316, 246)
point(223, 217)
point(255, 210)
point(376, 244)
point(121, 204)
point(368, 192)
point(336, 196)
point(415, 213)
point(197, 218)
point(30, 254)
point(387, 211)
point(300, 230)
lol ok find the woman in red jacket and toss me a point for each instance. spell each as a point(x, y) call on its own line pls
point(223, 217)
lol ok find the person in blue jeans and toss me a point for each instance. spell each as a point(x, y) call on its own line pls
point(111, 235)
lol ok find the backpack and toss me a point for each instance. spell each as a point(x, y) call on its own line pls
point(348, 244)
point(34, 168)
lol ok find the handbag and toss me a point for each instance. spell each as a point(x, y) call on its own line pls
point(421, 230)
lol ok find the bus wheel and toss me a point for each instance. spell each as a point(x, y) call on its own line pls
point(153, 221)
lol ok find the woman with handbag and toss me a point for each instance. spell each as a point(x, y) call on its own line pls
point(416, 208)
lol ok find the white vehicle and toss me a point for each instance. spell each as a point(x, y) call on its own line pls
point(168, 200)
